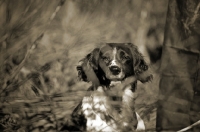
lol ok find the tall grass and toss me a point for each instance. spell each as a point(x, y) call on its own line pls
point(41, 43)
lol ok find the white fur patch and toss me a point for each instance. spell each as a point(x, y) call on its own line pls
point(95, 109)
point(113, 62)
point(127, 97)
point(140, 125)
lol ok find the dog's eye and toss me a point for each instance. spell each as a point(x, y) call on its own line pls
point(105, 58)
point(125, 58)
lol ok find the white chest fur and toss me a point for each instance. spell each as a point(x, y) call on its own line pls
point(97, 109)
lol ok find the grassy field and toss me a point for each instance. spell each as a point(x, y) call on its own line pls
point(41, 43)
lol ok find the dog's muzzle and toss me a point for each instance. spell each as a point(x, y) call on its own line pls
point(115, 70)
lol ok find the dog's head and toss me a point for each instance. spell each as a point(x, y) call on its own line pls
point(116, 61)
point(112, 62)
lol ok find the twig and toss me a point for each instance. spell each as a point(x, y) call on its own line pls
point(189, 22)
point(189, 127)
point(56, 11)
point(193, 19)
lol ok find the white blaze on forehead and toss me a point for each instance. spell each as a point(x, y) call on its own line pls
point(113, 62)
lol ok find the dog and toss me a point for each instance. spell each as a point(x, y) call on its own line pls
point(113, 69)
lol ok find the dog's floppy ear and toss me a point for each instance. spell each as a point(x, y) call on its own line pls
point(139, 65)
point(87, 66)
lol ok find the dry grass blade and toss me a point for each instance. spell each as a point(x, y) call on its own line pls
point(189, 127)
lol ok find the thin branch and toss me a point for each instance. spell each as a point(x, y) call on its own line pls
point(189, 127)
point(189, 22)
point(195, 16)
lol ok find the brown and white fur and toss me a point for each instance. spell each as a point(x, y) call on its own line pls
point(113, 69)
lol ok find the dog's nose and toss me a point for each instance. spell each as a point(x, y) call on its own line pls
point(115, 70)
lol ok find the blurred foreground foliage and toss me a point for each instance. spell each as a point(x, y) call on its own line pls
point(41, 43)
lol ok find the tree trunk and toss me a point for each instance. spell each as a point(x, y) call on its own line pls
point(179, 100)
